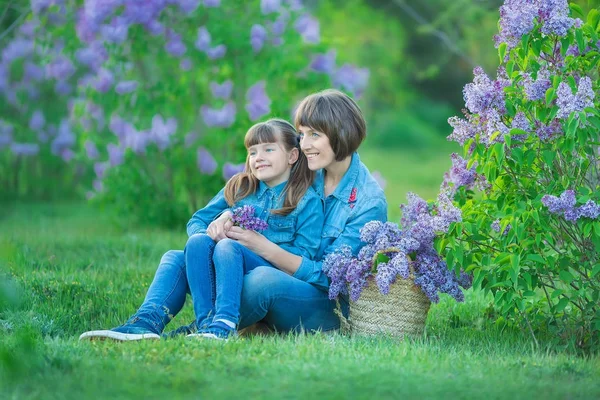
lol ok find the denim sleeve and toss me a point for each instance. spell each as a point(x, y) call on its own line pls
point(312, 272)
point(309, 224)
point(203, 217)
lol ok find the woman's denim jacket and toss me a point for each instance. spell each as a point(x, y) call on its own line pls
point(357, 200)
point(299, 232)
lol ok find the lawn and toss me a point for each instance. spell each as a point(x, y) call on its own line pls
point(73, 270)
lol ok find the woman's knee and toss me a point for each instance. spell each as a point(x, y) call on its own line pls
point(262, 282)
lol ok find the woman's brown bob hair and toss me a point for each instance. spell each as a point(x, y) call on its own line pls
point(336, 115)
point(279, 131)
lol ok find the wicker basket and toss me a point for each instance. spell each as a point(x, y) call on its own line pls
point(401, 312)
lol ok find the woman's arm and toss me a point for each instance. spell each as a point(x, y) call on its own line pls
point(312, 271)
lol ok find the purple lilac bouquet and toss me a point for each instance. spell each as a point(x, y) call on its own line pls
point(393, 251)
point(244, 217)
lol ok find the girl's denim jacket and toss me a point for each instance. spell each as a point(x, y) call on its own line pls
point(299, 232)
point(357, 200)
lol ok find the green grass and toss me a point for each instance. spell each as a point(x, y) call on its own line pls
point(72, 270)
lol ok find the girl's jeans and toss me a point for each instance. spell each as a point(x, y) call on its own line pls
point(282, 301)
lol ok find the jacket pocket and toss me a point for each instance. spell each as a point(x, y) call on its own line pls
point(281, 228)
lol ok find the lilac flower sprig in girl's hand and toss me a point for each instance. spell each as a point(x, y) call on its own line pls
point(244, 218)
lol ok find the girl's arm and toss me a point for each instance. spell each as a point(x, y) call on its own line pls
point(200, 221)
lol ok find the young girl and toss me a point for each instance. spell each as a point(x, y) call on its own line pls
point(277, 183)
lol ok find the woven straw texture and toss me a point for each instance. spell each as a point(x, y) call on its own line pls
point(402, 311)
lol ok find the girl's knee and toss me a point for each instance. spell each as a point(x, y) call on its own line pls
point(198, 242)
point(226, 245)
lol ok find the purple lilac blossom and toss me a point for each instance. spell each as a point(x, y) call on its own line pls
point(308, 27)
point(214, 53)
point(484, 94)
point(516, 19)
point(162, 131)
point(17, 48)
point(175, 46)
point(548, 132)
point(590, 210)
point(203, 41)
point(155, 28)
point(324, 63)
point(244, 218)
point(37, 121)
point(521, 122)
point(259, 103)
point(103, 81)
point(463, 129)
point(63, 88)
point(207, 165)
point(100, 169)
point(91, 150)
point(277, 28)
point(270, 6)
point(116, 154)
point(555, 16)
point(188, 6)
point(60, 68)
point(351, 78)
point(536, 90)
point(223, 117)
point(258, 35)
point(185, 64)
point(230, 169)
point(223, 90)
point(190, 139)
point(25, 149)
point(115, 32)
point(212, 3)
point(33, 72)
point(124, 87)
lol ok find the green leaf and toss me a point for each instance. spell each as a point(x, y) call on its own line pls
point(550, 95)
point(580, 40)
point(562, 303)
point(566, 276)
point(595, 270)
point(502, 52)
point(549, 157)
point(536, 258)
point(593, 18)
point(576, 9)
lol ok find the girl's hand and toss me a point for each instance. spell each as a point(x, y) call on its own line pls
point(252, 240)
point(218, 229)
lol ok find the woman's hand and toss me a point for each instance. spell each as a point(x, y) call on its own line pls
point(218, 229)
point(252, 240)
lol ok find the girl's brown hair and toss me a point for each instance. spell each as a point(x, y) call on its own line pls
point(279, 131)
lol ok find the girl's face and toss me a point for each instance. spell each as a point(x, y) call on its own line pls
point(315, 145)
point(271, 163)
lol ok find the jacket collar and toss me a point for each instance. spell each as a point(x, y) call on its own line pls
point(343, 191)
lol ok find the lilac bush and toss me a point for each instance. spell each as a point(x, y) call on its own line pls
point(135, 89)
point(530, 232)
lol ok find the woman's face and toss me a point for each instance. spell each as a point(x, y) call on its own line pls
point(315, 145)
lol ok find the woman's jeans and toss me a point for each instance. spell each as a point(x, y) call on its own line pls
point(282, 301)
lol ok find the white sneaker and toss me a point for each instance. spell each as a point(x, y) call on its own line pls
point(118, 336)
